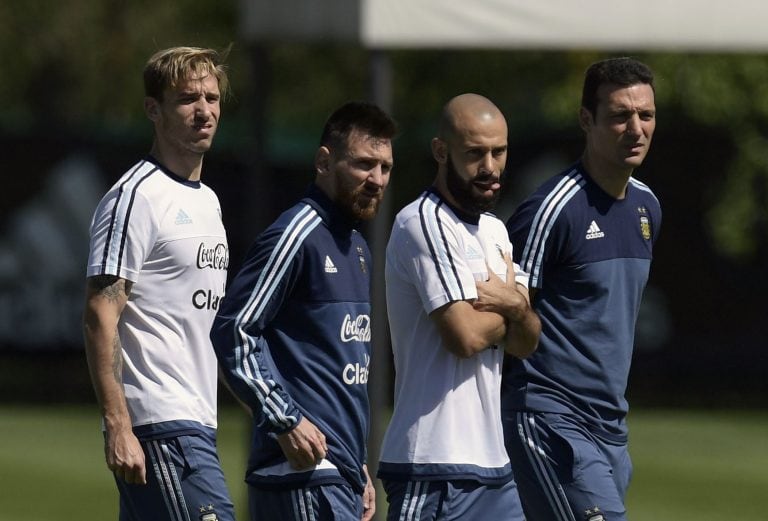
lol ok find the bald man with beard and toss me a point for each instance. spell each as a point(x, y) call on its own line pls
point(456, 304)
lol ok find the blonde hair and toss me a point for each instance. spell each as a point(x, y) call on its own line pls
point(170, 67)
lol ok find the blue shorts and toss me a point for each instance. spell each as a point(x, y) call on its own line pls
point(320, 503)
point(563, 471)
point(184, 483)
point(451, 500)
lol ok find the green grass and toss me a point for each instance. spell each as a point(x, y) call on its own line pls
point(689, 466)
point(703, 466)
point(52, 464)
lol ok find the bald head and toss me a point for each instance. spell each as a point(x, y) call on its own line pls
point(471, 152)
point(464, 112)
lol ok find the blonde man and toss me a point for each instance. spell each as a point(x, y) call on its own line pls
point(156, 271)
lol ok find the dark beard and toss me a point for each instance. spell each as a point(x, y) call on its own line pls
point(463, 193)
point(356, 206)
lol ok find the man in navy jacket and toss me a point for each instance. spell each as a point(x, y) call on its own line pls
point(293, 332)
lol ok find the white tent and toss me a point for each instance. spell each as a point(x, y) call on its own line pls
point(676, 25)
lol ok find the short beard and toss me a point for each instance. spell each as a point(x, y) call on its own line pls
point(357, 206)
point(463, 193)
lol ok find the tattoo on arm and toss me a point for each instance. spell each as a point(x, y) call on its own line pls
point(114, 289)
point(110, 286)
point(117, 359)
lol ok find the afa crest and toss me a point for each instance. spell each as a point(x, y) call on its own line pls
point(207, 513)
point(645, 227)
point(361, 259)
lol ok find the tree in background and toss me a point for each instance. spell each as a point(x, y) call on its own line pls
point(74, 67)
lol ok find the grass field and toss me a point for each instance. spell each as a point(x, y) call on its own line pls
point(689, 466)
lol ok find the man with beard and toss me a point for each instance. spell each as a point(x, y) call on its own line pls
point(293, 332)
point(456, 304)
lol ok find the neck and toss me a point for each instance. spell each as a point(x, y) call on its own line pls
point(441, 185)
point(612, 180)
point(189, 166)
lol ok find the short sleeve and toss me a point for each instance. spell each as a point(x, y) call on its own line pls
point(123, 233)
point(430, 254)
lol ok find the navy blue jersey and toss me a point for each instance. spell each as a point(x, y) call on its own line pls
point(588, 256)
point(293, 337)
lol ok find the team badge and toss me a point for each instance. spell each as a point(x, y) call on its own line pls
point(645, 224)
point(645, 227)
point(207, 513)
point(593, 514)
point(361, 258)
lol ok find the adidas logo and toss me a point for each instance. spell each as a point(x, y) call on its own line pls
point(330, 267)
point(472, 253)
point(593, 232)
point(182, 217)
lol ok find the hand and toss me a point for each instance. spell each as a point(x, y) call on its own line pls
point(304, 446)
point(501, 296)
point(125, 457)
point(369, 497)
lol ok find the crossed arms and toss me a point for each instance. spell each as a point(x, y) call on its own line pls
point(501, 315)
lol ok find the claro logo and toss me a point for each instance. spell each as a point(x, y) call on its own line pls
point(356, 373)
point(214, 257)
point(206, 299)
point(358, 329)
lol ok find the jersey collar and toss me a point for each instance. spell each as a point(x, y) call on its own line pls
point(461, 214)
point(329, 211)
point(150, 159)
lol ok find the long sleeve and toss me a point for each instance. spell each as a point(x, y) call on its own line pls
point(254, 299)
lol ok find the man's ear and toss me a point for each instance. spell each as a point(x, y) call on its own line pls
point(151, 108)
point(585, 119)
point(323, 161)
point(439, 150)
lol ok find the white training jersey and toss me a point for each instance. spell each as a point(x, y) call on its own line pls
point(165, 234)
point(446, 422)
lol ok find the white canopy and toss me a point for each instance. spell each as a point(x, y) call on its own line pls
point(675, 25)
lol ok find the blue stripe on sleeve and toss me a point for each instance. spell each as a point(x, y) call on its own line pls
point(121, 213)
point(541, 226)
point(434, 234)
point(246, 363)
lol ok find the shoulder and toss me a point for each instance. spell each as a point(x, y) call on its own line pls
point(644, 191)
point(208, 191)
point(545, 205)
point(294, 224)
point(412, 218)
point(418, 206)
point(134, 180)
point(143, 177)
point(134, 194)
point(490, 224)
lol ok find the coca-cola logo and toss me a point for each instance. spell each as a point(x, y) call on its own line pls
point(358, 329)
point(214, 257)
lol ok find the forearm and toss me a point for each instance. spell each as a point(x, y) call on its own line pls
point(248, 375)
point(511, 301)
point(489, 329)
point(106, 297)
point(104, 355)
point(466, 331)
point(522, 333)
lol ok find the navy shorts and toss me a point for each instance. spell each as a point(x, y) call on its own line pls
point(563, 471)
point(451, 500)
point(184, 483)
point(321, 503)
